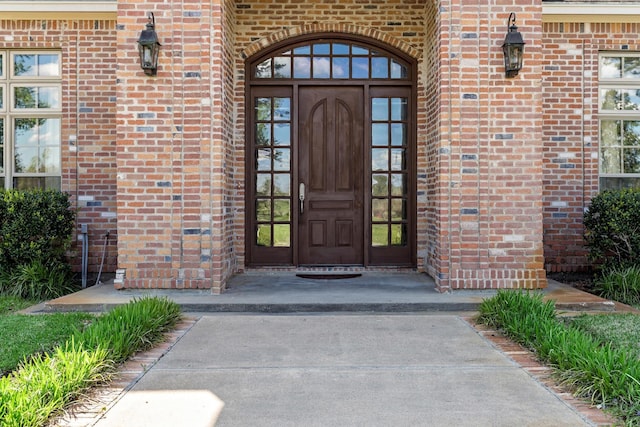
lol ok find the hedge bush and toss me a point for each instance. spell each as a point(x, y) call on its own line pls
point(612, 228)
point(35, 236)
point(35, 225)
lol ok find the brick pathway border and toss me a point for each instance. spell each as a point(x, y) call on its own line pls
point(543, 374)
point(90, 409)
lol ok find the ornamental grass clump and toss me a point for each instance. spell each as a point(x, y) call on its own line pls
point(607, 376)
point(620, 284)
point(45, 385)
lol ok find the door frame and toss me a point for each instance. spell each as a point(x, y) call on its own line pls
point(289, 256)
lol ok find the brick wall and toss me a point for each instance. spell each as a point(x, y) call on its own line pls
point(88, 50)
point(490, 154)
point(570, 130)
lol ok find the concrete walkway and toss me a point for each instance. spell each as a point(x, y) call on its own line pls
point(337, 370)
point(377, 350)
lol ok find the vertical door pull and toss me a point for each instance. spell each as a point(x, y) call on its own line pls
point(301, 197)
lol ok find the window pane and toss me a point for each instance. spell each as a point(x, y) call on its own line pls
point(340, 68)
point(380, 185)
point(380, 134)
point(1, 147)
point(24, 65)
point(360, 68)
point(340, 49)
point(379, 210)
point(321, 49)
point(263, 235)
point(379, 68)
point(398, 71)
point(263, 184)
point(1, 69)
point(321, 68)
point(25, 97)
point(26, 160)
point(1, 98)
point(282, 109)
point(357, 50)
point(399, 134)
point(281, 210)
point(302, 50)
point(380, 109)
point(379, 235)
point(398, 184)
point(631, 160)
point(263, 109)
point(379, 159)
point(25, 132)
point(50, 160)
point(620, 99)
point(301, 67)
point(281, 134)
point(398, 108)
point(263, 134)
point(281, 159)
point(631, 133)
point(48, 65)
point(610, 67)
point(610, 132)
point(398, 234)
point(398, 209)
point(263, 69)
point(282, 67)
point(263, 210)
point(263, 159)
point(281, 235)
point(282, 184)
point(613, 183)
point(398, 160)
point(44, 182)
point(631, 67)
point(610, 161)
point(48, 97)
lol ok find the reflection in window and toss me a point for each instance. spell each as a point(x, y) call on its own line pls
point(619, 113)
point(389, 178)
point(337, 60)
point(272, 148)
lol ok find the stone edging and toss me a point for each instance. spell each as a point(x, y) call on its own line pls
point(92, 407)
point(543, 374)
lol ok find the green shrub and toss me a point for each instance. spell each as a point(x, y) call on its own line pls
point(605, 375)
point(620, 284)
point(612, 227)
point(132, 327)
point(35, 225)
point(45, 385)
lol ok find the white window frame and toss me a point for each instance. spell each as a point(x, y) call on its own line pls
point(615, 115)
point(9, 113)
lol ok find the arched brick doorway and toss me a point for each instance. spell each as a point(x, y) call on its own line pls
point(331, 154)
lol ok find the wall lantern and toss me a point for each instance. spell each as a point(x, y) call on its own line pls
point(513, 48)
point(149, 47)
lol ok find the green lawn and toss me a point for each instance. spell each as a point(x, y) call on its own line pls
point(24, 335)
point(622, 330)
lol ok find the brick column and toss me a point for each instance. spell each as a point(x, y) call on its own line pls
point(490, 230)
point(170, 161)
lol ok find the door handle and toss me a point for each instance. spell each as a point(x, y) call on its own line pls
point(301, 197)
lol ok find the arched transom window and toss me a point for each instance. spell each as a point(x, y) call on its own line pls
point(331, 60)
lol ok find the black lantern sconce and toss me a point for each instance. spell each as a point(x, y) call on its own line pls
point(149, 47)
point(513, 48)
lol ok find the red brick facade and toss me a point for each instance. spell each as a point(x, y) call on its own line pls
point(505, 166)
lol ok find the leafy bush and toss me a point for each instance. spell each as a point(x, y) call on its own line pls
point(593, 370)
point(612, 227)
point(35, 235)
point(620, 284)
point(35, 225)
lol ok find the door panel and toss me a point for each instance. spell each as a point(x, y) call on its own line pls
point(330, 162)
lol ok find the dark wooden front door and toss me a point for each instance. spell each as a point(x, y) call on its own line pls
point(330, 176)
